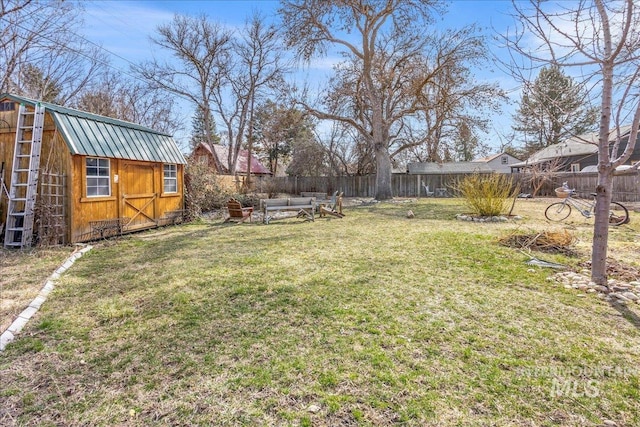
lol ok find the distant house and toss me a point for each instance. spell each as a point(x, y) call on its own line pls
point(92, 175)
point(577, 154)
point(500, 162)
point(433, 168)
point(202, 153)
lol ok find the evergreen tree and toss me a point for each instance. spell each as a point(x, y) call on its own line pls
point(551, 110)
point(198, 133)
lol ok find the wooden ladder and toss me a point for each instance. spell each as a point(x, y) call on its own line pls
point(24, 177)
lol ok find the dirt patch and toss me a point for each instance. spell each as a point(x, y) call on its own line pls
point(617, 270)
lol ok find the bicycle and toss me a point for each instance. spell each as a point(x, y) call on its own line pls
point(558, 211)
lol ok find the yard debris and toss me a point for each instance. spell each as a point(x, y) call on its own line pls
point(555, 242)
point(541, 263)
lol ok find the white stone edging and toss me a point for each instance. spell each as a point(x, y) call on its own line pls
point(22, 319)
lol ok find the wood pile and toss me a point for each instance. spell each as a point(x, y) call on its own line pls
point(556, 242)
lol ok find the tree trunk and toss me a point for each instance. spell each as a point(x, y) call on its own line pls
point(605, 168)
point(247, 183)
point(601, 228)
point(206, 112)
point(383, 173)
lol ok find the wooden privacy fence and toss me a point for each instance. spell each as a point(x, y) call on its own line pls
point(626, 185)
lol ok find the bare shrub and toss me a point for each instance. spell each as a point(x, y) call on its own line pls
point(486, 195)
point(203, 192)
point(270, 186)
point(539, 174)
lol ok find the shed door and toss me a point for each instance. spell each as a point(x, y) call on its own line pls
point(137, 185)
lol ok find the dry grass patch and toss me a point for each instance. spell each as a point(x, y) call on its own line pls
point(23, 275)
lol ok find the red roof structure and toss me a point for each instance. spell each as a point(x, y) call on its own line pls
point(222, 153)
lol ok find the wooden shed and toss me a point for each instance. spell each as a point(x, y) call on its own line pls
point(71, 176)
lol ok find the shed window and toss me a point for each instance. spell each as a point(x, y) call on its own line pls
point(575, 167)
point(170, 178)
point(98, 177)
point(7, 106)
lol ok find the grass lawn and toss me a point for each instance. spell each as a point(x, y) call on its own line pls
point(373, 319)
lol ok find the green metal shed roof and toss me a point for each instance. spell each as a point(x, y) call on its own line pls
point(93, 135)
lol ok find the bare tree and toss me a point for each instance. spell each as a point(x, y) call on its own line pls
point(40, 52)
point(538, 174)
point(201, 52)
point(601, 40)
point(347, 154)
point(258, 66)
point(386, 86)
point(10, 6)
point(130, 100)
point(452, 99)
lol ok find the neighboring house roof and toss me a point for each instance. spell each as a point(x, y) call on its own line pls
point(93, 135)
point(493, 157)
point(451, 167)
point(488, 158)
point(222, 152)
point(582, 145)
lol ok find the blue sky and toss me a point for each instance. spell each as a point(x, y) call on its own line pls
point(123, 29)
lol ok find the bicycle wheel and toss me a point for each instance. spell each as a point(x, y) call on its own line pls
point(557, 211)
point(618, 214)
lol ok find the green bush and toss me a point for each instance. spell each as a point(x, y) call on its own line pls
point(487, 195)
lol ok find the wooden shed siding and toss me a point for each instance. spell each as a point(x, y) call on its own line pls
point(131, 192)
point(85, 208)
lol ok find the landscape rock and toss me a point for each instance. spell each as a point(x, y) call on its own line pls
point(617, 291)
point(313, 409)
point(473, 218)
